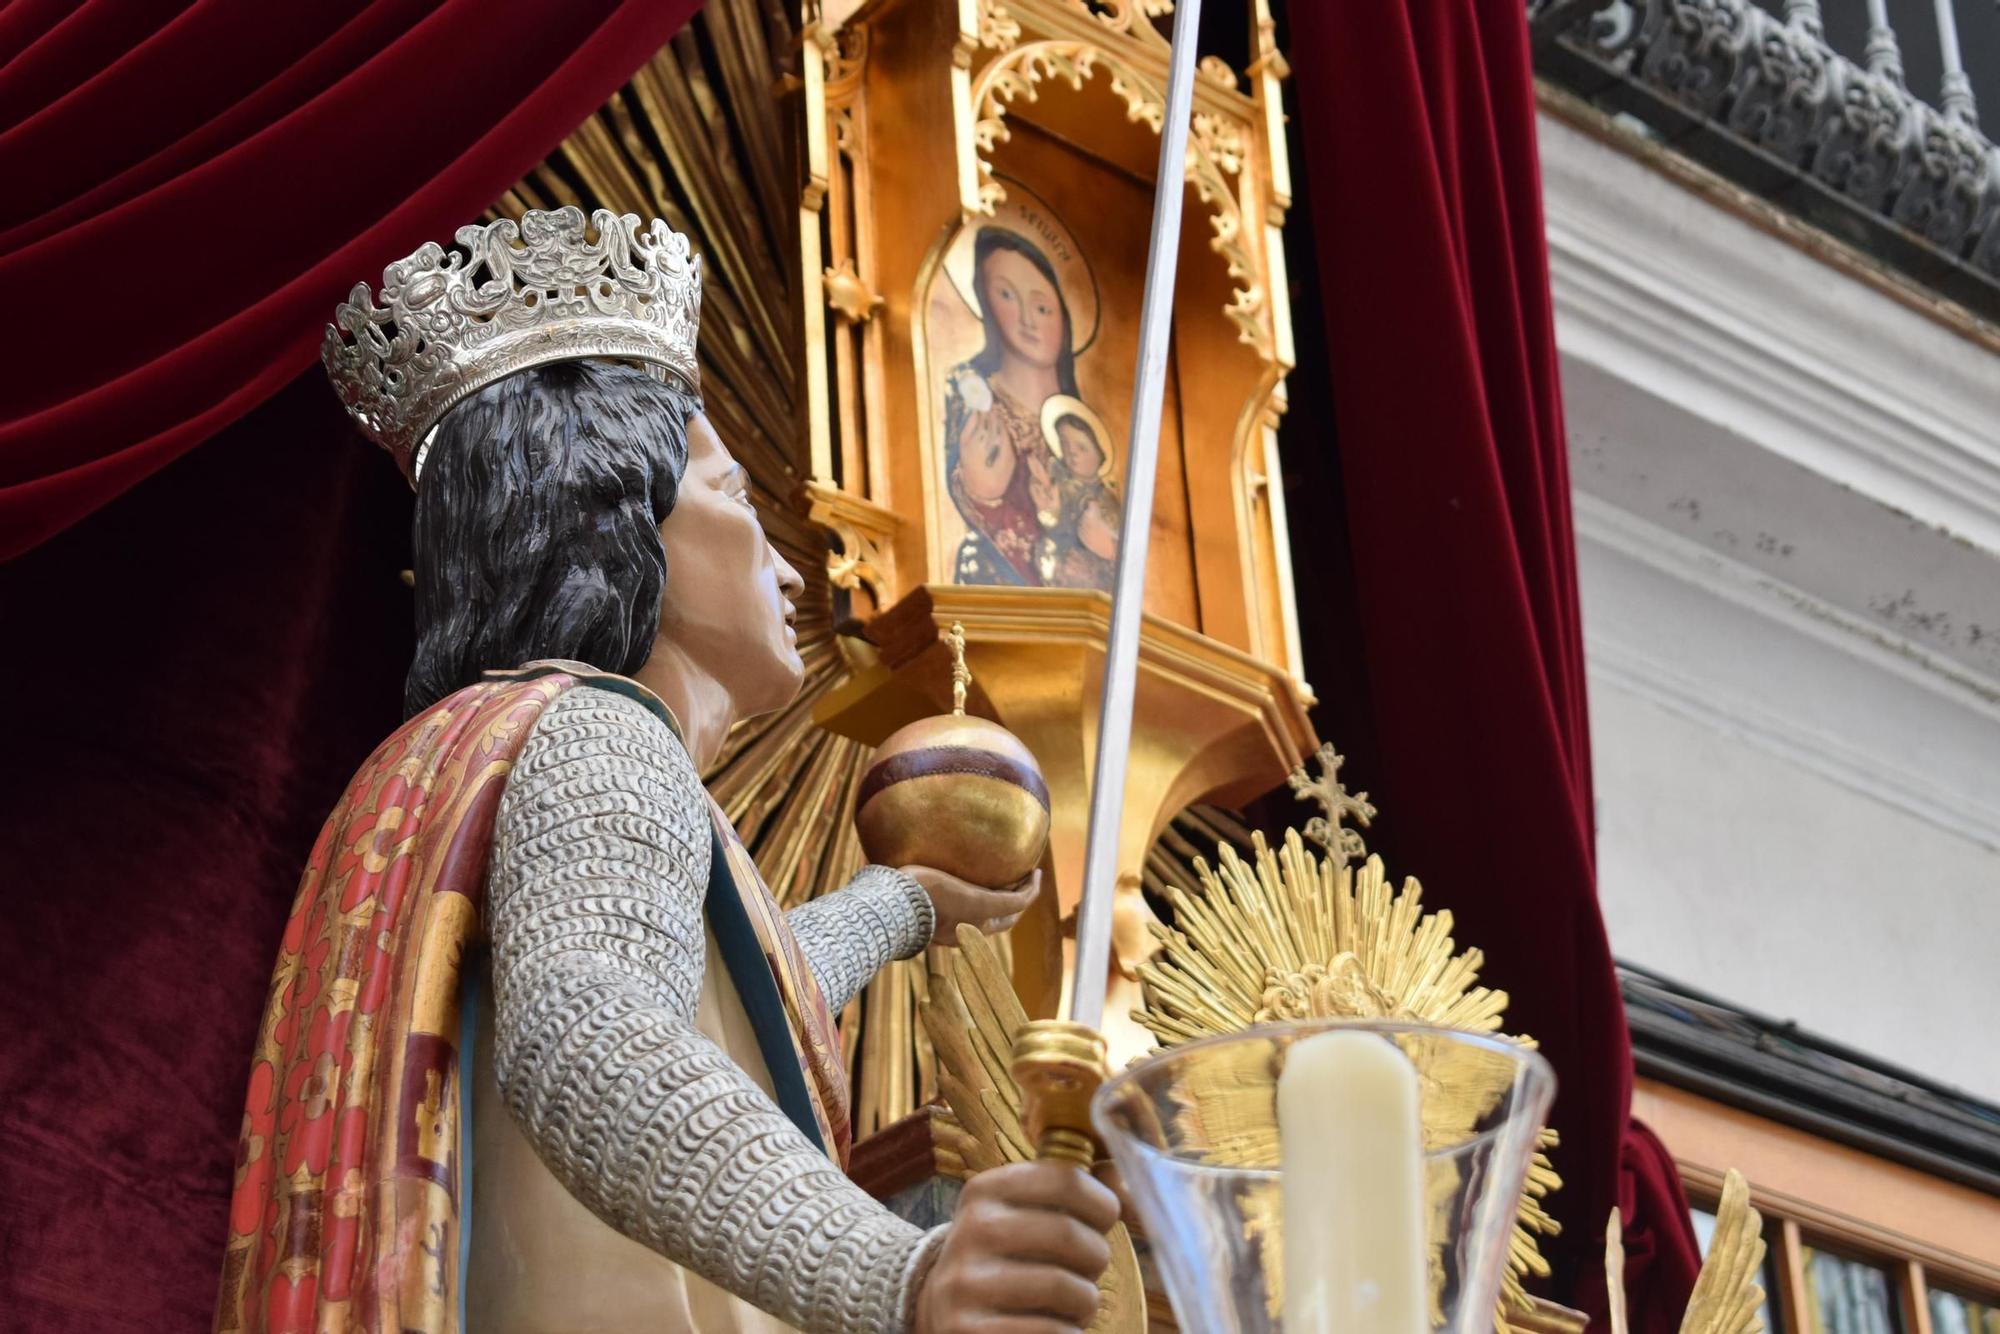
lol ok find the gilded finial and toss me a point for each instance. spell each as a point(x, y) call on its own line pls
point(1337, 802)
point(961, 675)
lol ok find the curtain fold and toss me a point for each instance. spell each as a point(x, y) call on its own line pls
point(194, 187)
point(191, 188)
point(214, 653)
point(1418, 136)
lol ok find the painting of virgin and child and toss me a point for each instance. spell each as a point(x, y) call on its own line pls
point(1027, 463)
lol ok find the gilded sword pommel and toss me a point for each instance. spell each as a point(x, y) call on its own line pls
point(1059, 1066)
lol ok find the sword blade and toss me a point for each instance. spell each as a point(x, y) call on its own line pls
point(1142, 453)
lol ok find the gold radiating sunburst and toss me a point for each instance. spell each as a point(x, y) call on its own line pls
point(1291, 934)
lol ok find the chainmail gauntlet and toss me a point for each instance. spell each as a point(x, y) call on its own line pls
point(601, 863)
point(848, 935)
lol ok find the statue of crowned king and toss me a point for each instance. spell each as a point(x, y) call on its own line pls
point(540, 1051)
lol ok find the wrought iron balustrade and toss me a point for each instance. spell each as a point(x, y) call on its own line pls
point(1831, 128)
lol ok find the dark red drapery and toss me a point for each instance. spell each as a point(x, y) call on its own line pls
point(192, 187)
point(201, 663)
point(213, 654)
point(1418, 129)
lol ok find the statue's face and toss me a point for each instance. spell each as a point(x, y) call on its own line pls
point(729, 604)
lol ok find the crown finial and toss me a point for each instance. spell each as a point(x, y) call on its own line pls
point(508, 297)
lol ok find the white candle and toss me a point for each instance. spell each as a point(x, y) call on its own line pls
point(1350, 1139)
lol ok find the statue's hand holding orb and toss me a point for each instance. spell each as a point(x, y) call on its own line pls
point(960, 901)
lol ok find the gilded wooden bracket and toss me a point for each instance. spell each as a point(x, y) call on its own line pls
point(866, 534)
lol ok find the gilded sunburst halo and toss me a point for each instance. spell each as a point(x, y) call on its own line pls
point(1295, 933)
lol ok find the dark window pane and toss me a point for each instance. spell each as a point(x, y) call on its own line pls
point(1952, 1313)
point(1846, 1296)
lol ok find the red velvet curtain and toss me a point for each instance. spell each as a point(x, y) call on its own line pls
point(201, 663)
point(191, 188)
point(1417, 121)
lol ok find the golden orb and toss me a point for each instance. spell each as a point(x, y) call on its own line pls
point(956, 793)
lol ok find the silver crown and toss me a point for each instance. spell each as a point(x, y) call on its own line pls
point(453, 322)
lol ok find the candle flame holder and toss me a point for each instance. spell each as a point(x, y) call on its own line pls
point(1194, 1131)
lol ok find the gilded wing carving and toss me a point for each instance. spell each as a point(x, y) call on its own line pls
point(1727, 1295)
point(1614, 1271)
point(972, 1016)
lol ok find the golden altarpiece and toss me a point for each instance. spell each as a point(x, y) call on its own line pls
point(924, 224)
point(973, 233)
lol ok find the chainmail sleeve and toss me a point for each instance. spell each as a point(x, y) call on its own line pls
point(847, 936)
point(601, 860)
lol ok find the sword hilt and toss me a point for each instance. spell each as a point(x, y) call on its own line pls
point(1059, 1066)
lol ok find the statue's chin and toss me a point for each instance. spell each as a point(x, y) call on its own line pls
point(795, 678)
point(788, 677)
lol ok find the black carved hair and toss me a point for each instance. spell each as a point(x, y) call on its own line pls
point(989, 242)
point(537, 524)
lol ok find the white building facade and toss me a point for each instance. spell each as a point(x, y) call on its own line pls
point(1776, 271)
point(1787, 494)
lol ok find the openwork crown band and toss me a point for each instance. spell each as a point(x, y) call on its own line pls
point(510, 296)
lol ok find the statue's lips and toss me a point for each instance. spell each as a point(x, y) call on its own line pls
point(930, 761)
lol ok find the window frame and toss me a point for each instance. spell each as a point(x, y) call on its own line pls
point(1815, 1192)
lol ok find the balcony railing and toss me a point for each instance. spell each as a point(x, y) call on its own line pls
point(1760, 96)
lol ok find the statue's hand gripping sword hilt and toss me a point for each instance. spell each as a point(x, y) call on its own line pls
point(1059, 1066)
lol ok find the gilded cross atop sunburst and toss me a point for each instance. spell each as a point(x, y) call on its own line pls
point(1290, 934)
point(1337, 804)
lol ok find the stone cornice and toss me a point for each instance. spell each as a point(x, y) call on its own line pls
point(1807, 683)
point(1772, 86)
point(1753, 336)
